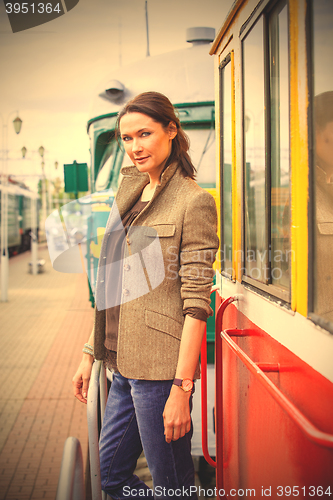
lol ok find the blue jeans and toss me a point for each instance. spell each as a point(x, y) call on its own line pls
point(133, 421)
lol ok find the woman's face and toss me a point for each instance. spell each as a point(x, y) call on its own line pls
point(147, 142)
point(324, 146)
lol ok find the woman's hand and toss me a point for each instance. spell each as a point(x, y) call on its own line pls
point(176, 415)
point(82, 377)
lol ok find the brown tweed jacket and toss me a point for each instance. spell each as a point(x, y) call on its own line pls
point(150, 326)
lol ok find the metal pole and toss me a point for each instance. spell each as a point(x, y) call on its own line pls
point(50, 200)
point(147, 28)
point(44, 211)
point(34, 242)
point(4, 218)
point(71, 481)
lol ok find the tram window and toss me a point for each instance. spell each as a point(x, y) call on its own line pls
point(226, 167)
point(202, 153)
point(104, 173)
point(322, 15)
point(266, 140)
point(280, 161)
point(256, 258)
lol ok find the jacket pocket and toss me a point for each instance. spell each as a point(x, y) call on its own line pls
point(162, 230)
point(163, 323)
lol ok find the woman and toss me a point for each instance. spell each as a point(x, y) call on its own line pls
point(153, 341)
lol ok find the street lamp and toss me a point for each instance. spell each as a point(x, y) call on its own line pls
point(4, 204)
point(17, 124)
point(41, 151)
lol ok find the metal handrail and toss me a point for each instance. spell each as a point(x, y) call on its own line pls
point(204, 423)
point(71, 482)
point(97, 395)
point(308, 428)
point(92, 416)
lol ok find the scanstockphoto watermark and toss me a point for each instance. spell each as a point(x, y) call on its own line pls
point(263, 492)
point(163, 492)
point(257, 264)
point(260, 256)
point(224, 254)
point(140, 258)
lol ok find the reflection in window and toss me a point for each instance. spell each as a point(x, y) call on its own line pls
point(202, 153)
point(280, 189)
point(267, 184)
point(104, 174)
point(323, 140)
point(256, 255)
point(226, 172)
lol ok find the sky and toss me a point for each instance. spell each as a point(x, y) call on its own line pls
point(50, 73)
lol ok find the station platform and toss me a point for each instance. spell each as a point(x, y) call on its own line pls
point(43, 325)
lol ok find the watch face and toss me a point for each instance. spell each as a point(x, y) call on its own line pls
point(187, 384)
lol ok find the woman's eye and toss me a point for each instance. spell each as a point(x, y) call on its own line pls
point(126, 139)
point(145, 134)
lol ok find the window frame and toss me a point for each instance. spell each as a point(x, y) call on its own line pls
point(227, 60)
point(263, 10)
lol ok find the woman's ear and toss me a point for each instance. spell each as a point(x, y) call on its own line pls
point(172, 129)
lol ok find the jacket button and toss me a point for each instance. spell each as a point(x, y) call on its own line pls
point(127, 267)
point(125, 291)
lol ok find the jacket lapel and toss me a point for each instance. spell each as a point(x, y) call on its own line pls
point(130, 188)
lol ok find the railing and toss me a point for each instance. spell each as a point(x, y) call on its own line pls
point(71, 483)
point(97, 396)
point(257, 369)
point(218, 463)
point(204, 423)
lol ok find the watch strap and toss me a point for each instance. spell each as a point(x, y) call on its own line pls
point(179, 383)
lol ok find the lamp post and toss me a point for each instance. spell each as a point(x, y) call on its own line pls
point(4, 205)
point(41, 152)
point(34, 225)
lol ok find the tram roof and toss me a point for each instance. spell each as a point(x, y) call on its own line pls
point(18, 191)
point(175, 74)
point(228, 20)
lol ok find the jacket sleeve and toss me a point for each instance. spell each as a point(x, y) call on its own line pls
point(197, 252)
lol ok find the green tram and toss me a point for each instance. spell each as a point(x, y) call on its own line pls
point(19, 220)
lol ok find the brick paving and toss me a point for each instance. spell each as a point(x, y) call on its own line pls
point(43, 327)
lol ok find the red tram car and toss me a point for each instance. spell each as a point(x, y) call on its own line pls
point(274, 342)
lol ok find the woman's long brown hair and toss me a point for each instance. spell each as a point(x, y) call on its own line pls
point(158, 107)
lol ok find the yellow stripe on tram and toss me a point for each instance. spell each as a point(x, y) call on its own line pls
point(299, 157)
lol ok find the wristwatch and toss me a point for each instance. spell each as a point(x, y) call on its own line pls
point(186, 384)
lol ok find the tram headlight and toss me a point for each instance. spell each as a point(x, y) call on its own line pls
point(114, 92)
